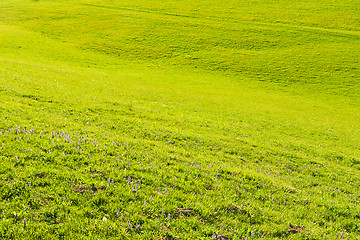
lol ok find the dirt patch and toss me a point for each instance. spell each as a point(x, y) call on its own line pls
point(83, 189)
point(233, 209)
point(208, 187)
point(40, 175)
point(220, 237)
point(293, 229)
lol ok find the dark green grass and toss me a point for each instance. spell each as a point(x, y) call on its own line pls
point(247, 115)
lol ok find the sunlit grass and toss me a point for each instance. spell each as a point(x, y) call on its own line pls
point(179, 120)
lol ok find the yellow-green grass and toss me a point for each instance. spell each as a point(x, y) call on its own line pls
point(247, 113)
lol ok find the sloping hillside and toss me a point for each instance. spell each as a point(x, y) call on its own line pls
point(179, 120)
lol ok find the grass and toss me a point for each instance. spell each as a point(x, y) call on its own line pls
point(179, 120)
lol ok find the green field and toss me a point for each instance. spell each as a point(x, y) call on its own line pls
point(179, 119)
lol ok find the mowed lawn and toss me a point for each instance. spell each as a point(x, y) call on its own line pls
point(179, 119)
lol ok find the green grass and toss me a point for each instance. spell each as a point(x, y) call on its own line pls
point(246, 113)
